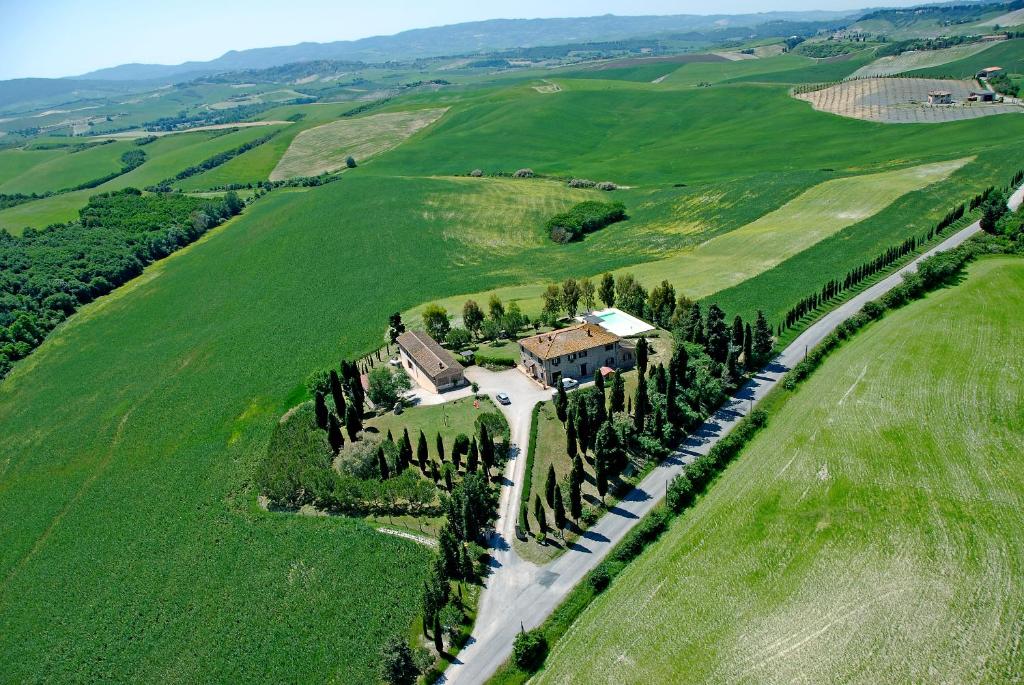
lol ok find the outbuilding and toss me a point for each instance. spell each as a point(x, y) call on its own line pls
point(982, 96)
point(428, 364)
point(989, 71)
point(940, 97)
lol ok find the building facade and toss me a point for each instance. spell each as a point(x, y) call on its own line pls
point(428, 364)
point(573, 352)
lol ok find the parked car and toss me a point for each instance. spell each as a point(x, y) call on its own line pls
point(395, 361)
point(503, 398)
point(568, 384)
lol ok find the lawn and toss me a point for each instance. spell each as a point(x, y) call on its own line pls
point(448, 419)
point(871, 533)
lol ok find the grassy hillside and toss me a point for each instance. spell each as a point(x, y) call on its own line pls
point(923, 59)
point(871, 533)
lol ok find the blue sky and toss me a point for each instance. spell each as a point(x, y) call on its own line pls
point(65, 37)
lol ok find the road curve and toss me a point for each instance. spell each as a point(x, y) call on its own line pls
point(521, 594)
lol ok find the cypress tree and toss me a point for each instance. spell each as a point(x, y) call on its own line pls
point(353, 424)
point(474, 456)
point(640, 406)
point(618, 395)
point(717, 334)
point(438, 643)
point(661, 379)
point(405, 451)
point(550, 485)
point(671, 401)
point(435, 473)
point(601, 474)
point(693, 331)
point(582, 429)
point(421, 453)
point(561, 400)
point(440, 448)
point(641, 357)
point(737, 332)
point(559, 512)
point(334, 438)
point(320, 407)
point(337, 394)
point(540, 515)
point(382, 463)
point(748, 349)
point(448, 480)
point(486, 449)
point(575, 493)
point(468, 572)
point(448, 549)
point(763, 342)
point(678, 365)
point(599, 380)
point(570, 438)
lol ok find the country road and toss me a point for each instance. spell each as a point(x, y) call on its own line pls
point(519, 593)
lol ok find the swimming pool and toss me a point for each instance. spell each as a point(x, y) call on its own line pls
point(618, 322)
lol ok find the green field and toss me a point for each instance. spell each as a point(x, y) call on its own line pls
point(68, 169)
point(165, 157)
point(926, 59)
point(872, 533)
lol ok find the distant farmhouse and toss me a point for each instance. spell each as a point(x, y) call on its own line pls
point(940, 97)
point(989, 72)
point(573, 352)
point(431, 366)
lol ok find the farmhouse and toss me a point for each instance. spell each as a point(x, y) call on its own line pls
point(940, 97)
point(573, 352)
point(429, 364)
point(989, 71)
point(982, 96)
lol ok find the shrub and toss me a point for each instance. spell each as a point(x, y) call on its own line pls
point(645, 532)
point(523, 173)
point(599, 578)
point(458, 338)
point(607, 185)
point(529, 650)
point(476, 173)
point(680, 493)
point(496, 424)
point(484, 360)
point(581, 183)
point(319, 381)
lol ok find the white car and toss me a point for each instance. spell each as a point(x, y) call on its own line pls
point(568, 384)
point(503, 398)
point(395, 361)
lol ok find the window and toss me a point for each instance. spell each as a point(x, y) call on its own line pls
point(572, 357)
point(556, 361)
point(583, 353)
point(610, 361)
point(609, 346)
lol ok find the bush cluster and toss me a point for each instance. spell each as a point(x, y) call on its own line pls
point(583, 218)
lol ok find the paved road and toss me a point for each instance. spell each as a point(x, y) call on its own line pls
point(520, 593)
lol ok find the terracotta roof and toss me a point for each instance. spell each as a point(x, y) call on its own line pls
point(435, 361)
point(583, 336)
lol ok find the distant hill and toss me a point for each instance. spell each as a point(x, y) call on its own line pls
point(456, 39)
point(44, 90)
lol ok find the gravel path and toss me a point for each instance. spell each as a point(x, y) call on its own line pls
point(521, 594)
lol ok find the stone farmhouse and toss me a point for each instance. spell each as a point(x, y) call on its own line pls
point(573, 352)
point(428, 364)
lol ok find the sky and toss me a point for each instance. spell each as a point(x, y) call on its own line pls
point(50, 38)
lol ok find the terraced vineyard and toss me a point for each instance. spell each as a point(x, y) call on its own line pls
point(870, 534)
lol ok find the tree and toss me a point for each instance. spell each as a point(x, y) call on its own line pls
point(350, 162)
point(561, 399)
point(320, 408)
point(440, 448)
point(662, 303)
point(458, 338)
point(582, 430)
point(387, 386)
point(404, 451)
point(606, 291)
point(571, 296)
point(618, 394)
point(599, 381)
point(992, 211)
point(471, 506)
point(421, 453)
point(630, 295)
point(529, 650)
point(435, 319)
point(550, 485)
point(640, 406)
point(395, 327)
point(570, 438)
point(748, 348)
point(559, 512)
point(353, 423)
point(486, 449)
point(607, 449)
point(337, 394)
point(540, 515)
point(513, 320)
point(641, 356)
point(495, 308)
point(737, 332)
point(552, 301)
point(672, 401)
point(693, 329)
point(472, 316)
point(587, 294)
point(438, 641)
point(450, 551)
point(382, 463)
point(763, 341)
point(397, 666)
point(717, 334)
point(601, 474)
point(334, 437)
point(576, 491)
point(474, 457)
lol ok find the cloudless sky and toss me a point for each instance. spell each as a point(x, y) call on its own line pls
point(68, 37)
